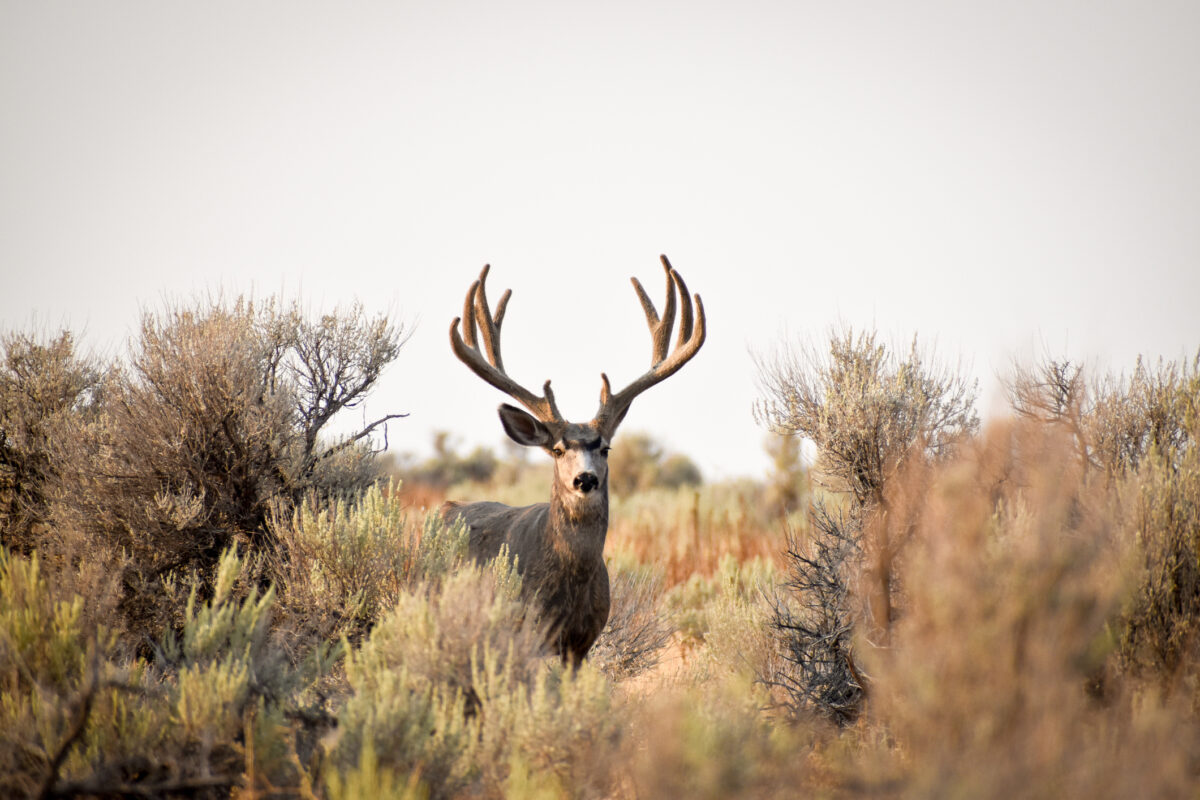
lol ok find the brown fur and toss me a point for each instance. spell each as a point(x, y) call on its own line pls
point(559, 546)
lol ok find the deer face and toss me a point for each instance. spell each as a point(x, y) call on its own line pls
point(581, 461)
point(580, 453)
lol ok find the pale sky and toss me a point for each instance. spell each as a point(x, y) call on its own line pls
point(1003, 179)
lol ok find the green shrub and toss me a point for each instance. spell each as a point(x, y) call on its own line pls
point(453, 687)
point(78, 719)
point(341, 564)
point(723, 612)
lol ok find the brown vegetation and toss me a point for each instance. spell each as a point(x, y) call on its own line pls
point(249, 612)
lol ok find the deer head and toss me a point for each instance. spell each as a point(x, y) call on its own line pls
point(579, 450)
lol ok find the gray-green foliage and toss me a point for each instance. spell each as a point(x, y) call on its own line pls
point(453, 687)
point(341, 564)
point(203, 587)
point(1116, 422)
point(77, 717)
point(1155, 412)
point(704, 603)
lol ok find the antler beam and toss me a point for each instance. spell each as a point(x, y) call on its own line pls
point(486, 362)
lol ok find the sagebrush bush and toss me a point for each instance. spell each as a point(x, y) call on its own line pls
point(454, 688)
point(1142, 434)
point(1155, 412)
point(865, 407)
point(1161, 631)
point(341, 564)
point(721, 619)
point(80, 718)
point(215, 421)
point(814, 616)
point(873, 414)
point(994, 683)
point(638, 626)
point(43, 385)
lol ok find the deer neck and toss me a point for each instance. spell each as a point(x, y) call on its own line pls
point(577, 525)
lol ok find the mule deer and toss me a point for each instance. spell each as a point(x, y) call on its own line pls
point(559, 545)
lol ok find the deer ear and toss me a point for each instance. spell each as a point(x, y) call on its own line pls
point(523, 428)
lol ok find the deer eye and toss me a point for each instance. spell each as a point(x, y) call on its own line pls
point(558, 451)
point(604, 451)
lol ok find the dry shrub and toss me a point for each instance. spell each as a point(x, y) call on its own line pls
point(997, 678)
point(215, 422)
point(638, 627)
point(43, 385)
point(866, 407)
point(814, 616)
point(713, 741)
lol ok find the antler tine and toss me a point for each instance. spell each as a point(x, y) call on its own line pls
point(692, 332)
point(660, 329)
point(468, 315)
point(685, 310)
point(489, 328)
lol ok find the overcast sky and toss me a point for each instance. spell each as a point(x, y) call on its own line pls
point(1003, 179)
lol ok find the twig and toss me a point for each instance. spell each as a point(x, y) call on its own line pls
point(76, 730)
point(141, 790)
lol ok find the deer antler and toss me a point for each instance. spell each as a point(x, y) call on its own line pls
point(662, 366)
point(487, 363)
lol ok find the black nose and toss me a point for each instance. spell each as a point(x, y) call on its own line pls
point(586, 481)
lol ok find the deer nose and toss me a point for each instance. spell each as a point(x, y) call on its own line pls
point(586, 481)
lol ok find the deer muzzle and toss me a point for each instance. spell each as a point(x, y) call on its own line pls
point(586, 481)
